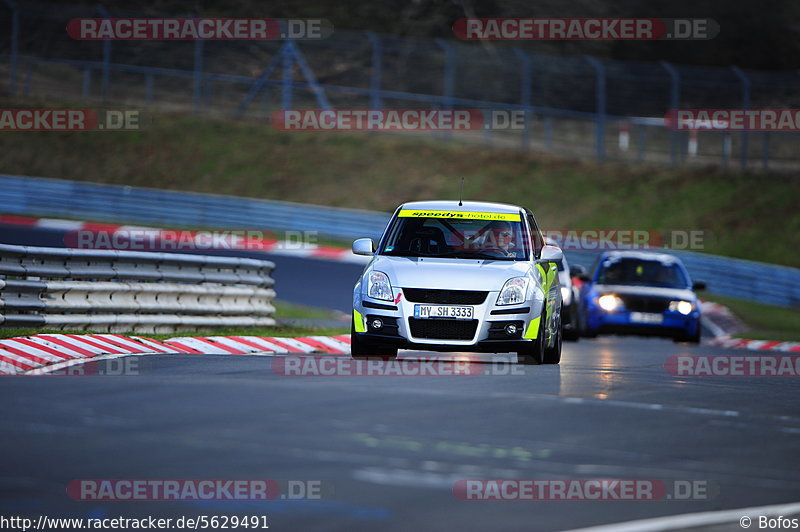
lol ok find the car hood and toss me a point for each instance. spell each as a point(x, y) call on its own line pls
point(453, 274)
point(672, 293)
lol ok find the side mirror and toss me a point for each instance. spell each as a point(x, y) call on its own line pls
point(551, 254)
point(577, 270)
point(363, 246)
point(698, 285)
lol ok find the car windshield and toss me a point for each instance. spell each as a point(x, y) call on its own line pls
point(642, 272)
point(494, 237)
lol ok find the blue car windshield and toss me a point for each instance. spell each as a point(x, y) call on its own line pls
point(642, 272)
point(419, 236)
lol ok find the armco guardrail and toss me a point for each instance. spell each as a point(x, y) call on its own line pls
point(37, 196)
point(754, 281)
point(120, 291)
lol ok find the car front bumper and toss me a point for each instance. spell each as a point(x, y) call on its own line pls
point(673, 324)
point(485, 332)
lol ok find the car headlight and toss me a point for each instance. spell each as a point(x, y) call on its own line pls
point(515, 291)
point(609, 302)
point(565, 294)
point(684, 307)
point(379, 286)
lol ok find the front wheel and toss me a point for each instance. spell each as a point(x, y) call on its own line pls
point(362, 349)
point(533, 353)
point(552, 355)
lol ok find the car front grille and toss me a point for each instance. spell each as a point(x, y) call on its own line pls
point(433, 329)
point(644, 303)
point(445, 297)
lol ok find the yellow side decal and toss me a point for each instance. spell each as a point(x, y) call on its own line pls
point(460, 215)
point(358, 321)
point(533, 329)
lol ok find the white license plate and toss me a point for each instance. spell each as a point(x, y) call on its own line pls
point(444, 311)
point(646, 317)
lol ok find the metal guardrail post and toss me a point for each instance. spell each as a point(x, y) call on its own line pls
point(641, 142)
point(674, 103)
point(197, 105)
point(86, 89)
point(106, 57)
point(449, 76)
point(745, 105)
point(600, 107)
point(26, 84)
point(376, 71)
point(148, 87)
point(316, 88)
point(548, 130)
point(12, 71)
point(260, 82)
point(726, 148)
point(288, 78)
point(765, 152)
point(525, 94)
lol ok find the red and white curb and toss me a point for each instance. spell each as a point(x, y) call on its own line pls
point(40, 353)
point(723, 323)
point(755, 345)
point(188, 240)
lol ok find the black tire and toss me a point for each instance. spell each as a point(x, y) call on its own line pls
point(363, 350)
point(533, 353)
point(693, 339)
point(583, 329)
point(571, 334)
point(552, 355)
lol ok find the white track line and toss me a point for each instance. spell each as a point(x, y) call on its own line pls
point(694, 520)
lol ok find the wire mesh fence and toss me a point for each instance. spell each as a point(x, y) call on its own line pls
point(574, 105)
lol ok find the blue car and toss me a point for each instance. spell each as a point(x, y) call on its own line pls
point(641, 293)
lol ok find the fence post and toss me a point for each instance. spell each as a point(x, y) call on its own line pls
point(674, 103)
point(376, 71)
point(148, 82)
point(198, 76)
point(87, 83)
point(525, 94)
point(600, 107)
point(765, 152)
point(641, 142)
point(288, 78)
point(745, 105)
point(449, 76)
point(12, 72)
point(106, 57)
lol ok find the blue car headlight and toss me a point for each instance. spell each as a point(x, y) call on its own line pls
point(683, 307)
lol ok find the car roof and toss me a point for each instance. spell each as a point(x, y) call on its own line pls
point(467, 206)
point(642, 255)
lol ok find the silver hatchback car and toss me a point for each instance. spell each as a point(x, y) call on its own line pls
point(459, 276)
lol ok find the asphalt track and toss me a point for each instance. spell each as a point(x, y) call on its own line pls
point(388, 450)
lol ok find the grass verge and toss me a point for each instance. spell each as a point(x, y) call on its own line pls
point(766, 322)
point(734, 211)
